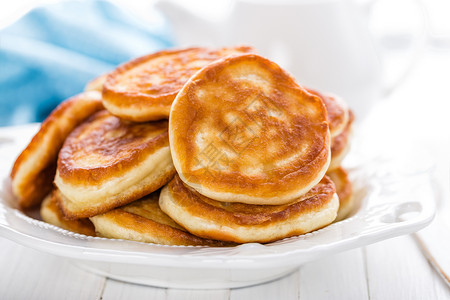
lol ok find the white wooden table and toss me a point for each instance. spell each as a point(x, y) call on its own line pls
point(392, 269)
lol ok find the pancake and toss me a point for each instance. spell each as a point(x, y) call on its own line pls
point(144, 221)
point(107, 162)
point(51, 213)
point(337, 112)
point(33, 172)
point(340, 145)
point(344, 190)
point(242, 130)
point(245, 223)
point(96, 84)
point(144, 89)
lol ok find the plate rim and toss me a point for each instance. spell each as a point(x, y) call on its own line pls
point(191, 259)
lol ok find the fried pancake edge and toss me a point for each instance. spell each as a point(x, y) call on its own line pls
point(121, 223)
point(337, 111)
point(341, 144)
point(96, 84)
point(344, 189)
point(214, 222)
point(34, 169)
point(51, 213)
point(79, 202)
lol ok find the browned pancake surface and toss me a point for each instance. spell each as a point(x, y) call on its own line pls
point(144, 89)
point(105, 145)
point(243, 126)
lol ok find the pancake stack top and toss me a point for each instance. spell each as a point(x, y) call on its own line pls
point(242, 157)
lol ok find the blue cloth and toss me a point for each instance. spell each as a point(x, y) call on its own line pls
point(53, 51)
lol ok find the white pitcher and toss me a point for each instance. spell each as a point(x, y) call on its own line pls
point(325, 44)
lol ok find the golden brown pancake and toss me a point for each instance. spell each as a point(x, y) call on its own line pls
point(340, 145)
point(344, 190)
point(144, 221)
point(51, 213)
point(96, 84)
point(33, 172)
point(242, 130)
point(144, 89)
point(244, 223)
point(107, 162)
point(337, 111)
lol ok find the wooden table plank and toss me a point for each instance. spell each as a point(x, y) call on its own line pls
point(123, 290)
point(441, 287)
point(283, 288)
point(29, 274)
point(340, 276)
point(175, 294)
point(397, 269)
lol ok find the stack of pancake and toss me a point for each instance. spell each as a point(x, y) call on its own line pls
point(193, 146)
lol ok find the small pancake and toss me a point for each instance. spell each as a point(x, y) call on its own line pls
point(242, 130)
point(144, 221)
point(96, 84)
point(33, 172)
point(337, 111)
point(52, 214)
point(340, 145)
point(107, 162)
point(245, 223)
point(144, 89)
point(344, 190)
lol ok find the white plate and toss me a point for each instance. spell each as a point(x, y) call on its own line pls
point(389, 205)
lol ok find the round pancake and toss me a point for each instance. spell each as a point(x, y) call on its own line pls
point(33, 172)
point(344, 190)
point(144, 89)
point(242, 130)
point(337, 111)
point(96, 84)
point(107, 162)
point(144, 221)
point(340, 145)
point(51, 213)
point(245, 223)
